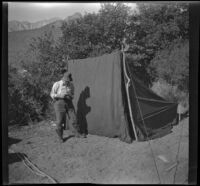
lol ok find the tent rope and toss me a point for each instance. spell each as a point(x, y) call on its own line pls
point(145, 130)
point(32, 167)
point(177, 155)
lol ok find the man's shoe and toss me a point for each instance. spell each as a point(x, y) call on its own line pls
point(80, 135)
point(61, 140)
point(84, 135)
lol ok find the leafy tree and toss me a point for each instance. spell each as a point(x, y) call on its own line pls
point(113, 20)
point(172, 65)
point(22, 107)
point(29, 89)
point(95, 34)
point(153, 29)
point(46, 69)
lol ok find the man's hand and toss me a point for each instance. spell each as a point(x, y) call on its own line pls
point(61, 95)
point(68, 97)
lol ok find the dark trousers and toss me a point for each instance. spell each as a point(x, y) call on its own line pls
point(64, 108)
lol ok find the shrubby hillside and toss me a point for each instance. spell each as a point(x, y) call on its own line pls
point(19, 41)
point(156, 37)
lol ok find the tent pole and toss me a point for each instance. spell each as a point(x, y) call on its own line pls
point(127, 93)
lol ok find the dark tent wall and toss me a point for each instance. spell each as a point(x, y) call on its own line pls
point(98, 96)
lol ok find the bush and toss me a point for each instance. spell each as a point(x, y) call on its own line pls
point(171, 93)
point(22, 108)
point(172, 64)
point(32, 84)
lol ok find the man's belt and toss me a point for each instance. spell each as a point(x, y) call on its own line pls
point(65, 99)
point(59, 99)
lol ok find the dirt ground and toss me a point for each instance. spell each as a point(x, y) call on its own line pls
point(96, 159)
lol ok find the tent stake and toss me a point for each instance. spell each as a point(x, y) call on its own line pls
point(171, 167)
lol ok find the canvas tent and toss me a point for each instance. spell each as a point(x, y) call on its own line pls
point(110, 101)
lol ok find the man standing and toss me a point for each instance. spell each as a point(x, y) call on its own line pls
point(62, 93)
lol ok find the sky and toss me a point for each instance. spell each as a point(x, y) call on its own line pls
point(33, 12)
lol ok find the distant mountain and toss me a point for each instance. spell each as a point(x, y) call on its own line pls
point(19, 41)
point(76, 15)
point(25, 25)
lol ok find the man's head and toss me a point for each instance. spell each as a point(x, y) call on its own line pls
point(64, 70)
point(67, 77)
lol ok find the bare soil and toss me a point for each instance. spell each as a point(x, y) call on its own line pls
point(96, 159)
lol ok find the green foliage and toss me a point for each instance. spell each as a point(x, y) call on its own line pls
point(172, 65)
point(29, 90)
point(22, 106)
point(48, 63)
point(157, 25)
point(172, 93)
point(95, 34)
point(168, 91)
point(155, 28)
point(46, 70)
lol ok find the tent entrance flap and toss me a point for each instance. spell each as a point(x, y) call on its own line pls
point(152, 114)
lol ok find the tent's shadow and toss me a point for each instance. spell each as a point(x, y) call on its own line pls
point(13, 141)
point(68, 137)
point(14, 156)
point(83, 109)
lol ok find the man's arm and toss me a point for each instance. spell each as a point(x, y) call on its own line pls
point(54, 90)
point(72, 90)
point(70, 94)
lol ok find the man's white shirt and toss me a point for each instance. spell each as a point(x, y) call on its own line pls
point(60, 88)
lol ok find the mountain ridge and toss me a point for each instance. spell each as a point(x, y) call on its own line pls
point(19, 41)
point(15, 25)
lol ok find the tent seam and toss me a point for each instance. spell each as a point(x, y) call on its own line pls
point(154, 100)
point(156, 113)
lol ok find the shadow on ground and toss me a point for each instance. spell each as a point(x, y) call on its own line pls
point(14, 156)
point(68, 137)
point(12, 141)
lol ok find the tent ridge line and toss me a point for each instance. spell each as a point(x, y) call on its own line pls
point(147, 99)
